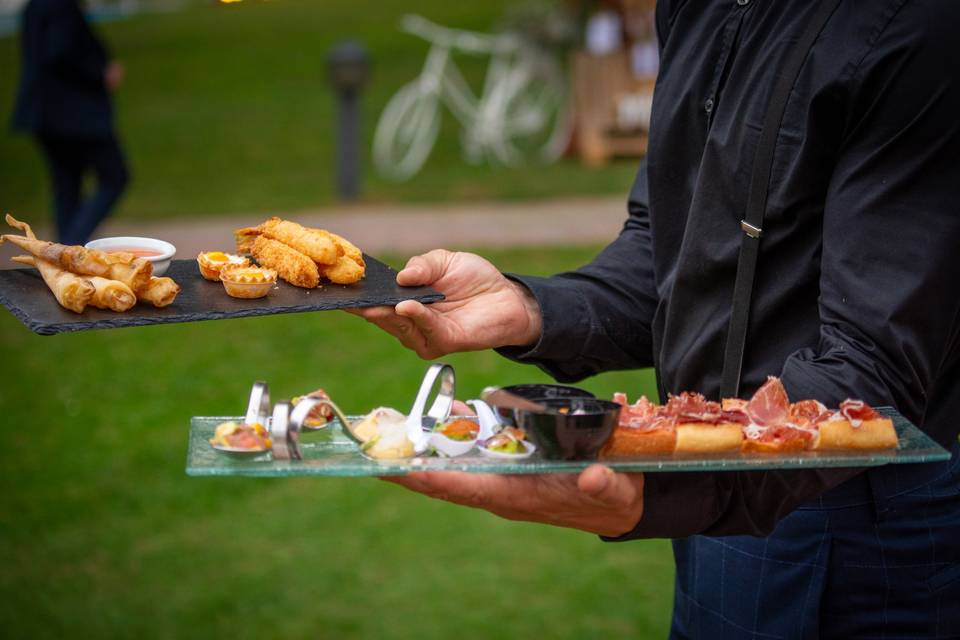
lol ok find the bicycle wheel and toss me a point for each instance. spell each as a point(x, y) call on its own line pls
point(536, 116)
point(406, 132)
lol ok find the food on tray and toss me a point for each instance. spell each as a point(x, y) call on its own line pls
point(111, 294)
point(159, 292)
point(247, 282)
point(70, 290)
point(211, 262)
point(80, 277)
point(767, 423)
point(316, 244)
point(127, 268)
point(320, 414)
point(302, 255)
point(509, 441)
point(384, 434)
point(460, 429)
point(291, 265)
point(233, 435)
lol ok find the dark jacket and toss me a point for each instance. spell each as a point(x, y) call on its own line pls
point(62, 90)
point(856, 292)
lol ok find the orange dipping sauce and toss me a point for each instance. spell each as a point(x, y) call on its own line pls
point(140, 253)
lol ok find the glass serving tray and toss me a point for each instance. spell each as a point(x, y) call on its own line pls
point(329, 452)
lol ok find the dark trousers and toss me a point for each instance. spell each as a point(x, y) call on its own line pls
point(69, 161)
point(877, 557)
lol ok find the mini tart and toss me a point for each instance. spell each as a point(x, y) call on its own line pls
point(212, 262)
point(247, 282)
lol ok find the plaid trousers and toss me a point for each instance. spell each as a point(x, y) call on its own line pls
point(876, 557)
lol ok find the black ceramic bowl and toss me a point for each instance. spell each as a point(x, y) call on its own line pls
point(571, 428)
point(537, 392)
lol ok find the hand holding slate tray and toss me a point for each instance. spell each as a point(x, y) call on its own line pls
point(24, 293)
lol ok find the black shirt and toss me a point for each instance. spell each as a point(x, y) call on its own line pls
point(858, 284)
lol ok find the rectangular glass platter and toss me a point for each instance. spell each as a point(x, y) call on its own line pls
point(329, 452)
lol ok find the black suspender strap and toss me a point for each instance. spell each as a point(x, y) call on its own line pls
point(752, 223)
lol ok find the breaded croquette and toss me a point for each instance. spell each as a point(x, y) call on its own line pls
point(291, 265)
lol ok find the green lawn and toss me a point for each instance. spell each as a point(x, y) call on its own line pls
point(103, 535)
point(226, 109)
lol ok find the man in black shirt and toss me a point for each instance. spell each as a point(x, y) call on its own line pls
point(64, 101)
point(856, 295)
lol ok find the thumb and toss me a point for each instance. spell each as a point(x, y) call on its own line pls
point(608, 487)
point(424, 269)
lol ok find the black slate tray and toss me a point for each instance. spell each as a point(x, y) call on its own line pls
point(24, 293)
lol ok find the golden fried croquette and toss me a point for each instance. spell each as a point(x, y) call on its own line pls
point(348, 249)
point(345, 271)
point(291, 265)
point(317, 246)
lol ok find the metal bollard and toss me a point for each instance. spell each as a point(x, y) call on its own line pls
point(349, 68)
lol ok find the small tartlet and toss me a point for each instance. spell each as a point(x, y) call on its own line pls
point(211, 263)
point(247, 282)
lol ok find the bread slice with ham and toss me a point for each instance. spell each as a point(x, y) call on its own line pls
point(856, 425)
point(642, 430)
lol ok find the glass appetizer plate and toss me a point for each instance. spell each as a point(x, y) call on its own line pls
point(329, 452)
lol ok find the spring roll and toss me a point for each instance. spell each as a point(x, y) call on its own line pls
point(291, 265)
point(127, 268)
point(313, 243)
point(70, 290)
point(159, 292)
point(111, 294)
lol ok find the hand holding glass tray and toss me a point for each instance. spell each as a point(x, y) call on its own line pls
point(335, 450)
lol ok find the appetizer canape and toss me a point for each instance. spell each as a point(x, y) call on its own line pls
point(319, 415)
point(509, 442)
point(247, 282)
point(234, 437)
point(455, 438)
point(384, 435)
point(212, 262)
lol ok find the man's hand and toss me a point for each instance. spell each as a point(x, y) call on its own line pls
point(598, 500)
point(113, 75)
point(482, 309)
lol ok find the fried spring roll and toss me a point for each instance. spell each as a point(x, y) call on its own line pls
point(71, 291)
point(291, 265)
point(111, 294)
point(160, 292)
point(316, 244)
point(127, 268)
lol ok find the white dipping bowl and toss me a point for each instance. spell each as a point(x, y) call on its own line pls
point(133, 243)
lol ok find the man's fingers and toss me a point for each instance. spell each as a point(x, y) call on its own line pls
point(458, 487)
point(423, 270)
point(608, 487)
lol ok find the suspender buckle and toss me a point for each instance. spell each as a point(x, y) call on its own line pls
point(750, 230)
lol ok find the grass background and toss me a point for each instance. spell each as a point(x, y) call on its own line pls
point(103, 535)
point(226, 109)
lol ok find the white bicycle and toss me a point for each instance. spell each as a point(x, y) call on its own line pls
point(522, 113)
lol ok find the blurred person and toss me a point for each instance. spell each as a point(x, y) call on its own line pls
point(855, 296)
point(64, 101)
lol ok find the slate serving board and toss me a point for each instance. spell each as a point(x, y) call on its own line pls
point(25, 294)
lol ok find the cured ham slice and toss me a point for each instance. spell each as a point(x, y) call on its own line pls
point(769, 405)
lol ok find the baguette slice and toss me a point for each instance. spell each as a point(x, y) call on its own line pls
point(627, 442)
point(703, 437)
point(877, 433)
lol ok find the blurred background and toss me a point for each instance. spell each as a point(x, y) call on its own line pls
point(520, 147)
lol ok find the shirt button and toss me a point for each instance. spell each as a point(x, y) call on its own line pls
point(708, 105)
point(743, 3)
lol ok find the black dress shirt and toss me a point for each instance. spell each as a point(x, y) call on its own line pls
point(62, 90)
point(857, 291)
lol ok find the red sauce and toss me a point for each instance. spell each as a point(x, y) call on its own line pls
point(140, 253)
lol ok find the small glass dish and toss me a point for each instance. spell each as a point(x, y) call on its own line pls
point(247, 282)
point(507, 434)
